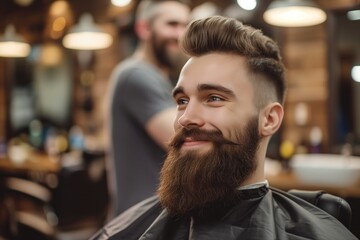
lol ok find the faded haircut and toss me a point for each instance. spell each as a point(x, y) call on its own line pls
point(227, 35)
point(148, 9)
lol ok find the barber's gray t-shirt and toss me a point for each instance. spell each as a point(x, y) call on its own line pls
point(137, 92)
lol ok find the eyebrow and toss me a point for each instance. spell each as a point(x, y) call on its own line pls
point(177, 91)
point(205, 87)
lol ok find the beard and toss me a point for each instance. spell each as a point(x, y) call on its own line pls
point(192, 183)
point(174, 61)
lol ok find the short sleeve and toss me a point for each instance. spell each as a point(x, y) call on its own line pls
point(145, 94)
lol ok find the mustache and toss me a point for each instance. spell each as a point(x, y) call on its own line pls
point(197, 134)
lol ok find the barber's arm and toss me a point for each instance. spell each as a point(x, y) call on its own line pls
point(161, 126)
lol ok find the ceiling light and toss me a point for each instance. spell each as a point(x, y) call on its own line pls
point(59, 8)
point(247, 4)
point(353, 15)
point(12, 44)
point(294, 13)
point(87, 36)
point(120, 3)
point(23, 3)
point(355, 73)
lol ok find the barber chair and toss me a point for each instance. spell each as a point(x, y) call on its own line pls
point(80, 199)
point(28, 210)
point(334, 205)
point(75, 209)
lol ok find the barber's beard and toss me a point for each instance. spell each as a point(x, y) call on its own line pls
point(173, 61)
point(192, 182)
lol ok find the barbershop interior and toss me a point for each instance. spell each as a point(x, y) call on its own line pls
point(53, 131)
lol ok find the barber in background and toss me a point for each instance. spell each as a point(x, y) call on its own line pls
point(141, 109)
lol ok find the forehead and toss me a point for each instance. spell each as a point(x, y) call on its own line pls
point(171, 11)
point(227, 70)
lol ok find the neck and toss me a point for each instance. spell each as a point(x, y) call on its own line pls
point(259, 174)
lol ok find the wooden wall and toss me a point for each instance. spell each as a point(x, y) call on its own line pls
point(2, 100)
point(305, 55)
point(93, 123)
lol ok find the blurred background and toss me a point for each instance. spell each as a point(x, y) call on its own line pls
point(52, 98)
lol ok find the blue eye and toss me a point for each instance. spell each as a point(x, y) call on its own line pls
point(215, 99)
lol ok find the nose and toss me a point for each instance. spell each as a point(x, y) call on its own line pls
point(191, 117)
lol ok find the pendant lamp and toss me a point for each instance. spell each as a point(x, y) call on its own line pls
point(294, 13)
point(86, 35)
point(12, 44)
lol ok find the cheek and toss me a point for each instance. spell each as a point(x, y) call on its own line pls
point(163, 33)
point(176, 125)
point(224, 121)
point(229, 131)
point(176, 121)
point(229, 123)
point(170, 33)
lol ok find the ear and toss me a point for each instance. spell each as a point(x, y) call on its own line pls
point(271, 118)
point(142, 29)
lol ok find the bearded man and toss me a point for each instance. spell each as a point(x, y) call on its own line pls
point(229, 103)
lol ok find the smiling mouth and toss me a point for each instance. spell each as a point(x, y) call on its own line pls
point(188, 142)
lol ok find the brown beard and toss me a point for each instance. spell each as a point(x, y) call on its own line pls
point(192, 183)
point(172, 61)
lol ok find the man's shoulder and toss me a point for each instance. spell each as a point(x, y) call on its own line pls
point(133, 222)
point(137, 75)
point(133, 65)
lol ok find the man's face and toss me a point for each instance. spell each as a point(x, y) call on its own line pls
point(214, 92)
point(217, 135)
point(167, 28)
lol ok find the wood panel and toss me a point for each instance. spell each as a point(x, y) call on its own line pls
point(2, 101)
point(337, 4)
point(305, 56)
point(104, 61)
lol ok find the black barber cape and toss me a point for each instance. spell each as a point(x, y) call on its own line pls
point(260, 214)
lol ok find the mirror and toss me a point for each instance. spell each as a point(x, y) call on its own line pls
point(40, 87)
point(344, 52)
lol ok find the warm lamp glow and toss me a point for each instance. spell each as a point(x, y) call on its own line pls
point(87, 36)
point(59, 8)
point(12, 44)
point(59, 24)
point(353, 15)
point(355, 73)
point(120, 3)
point(14, 49)
point(87, 40)
point(247, 4)
point(294, 13)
